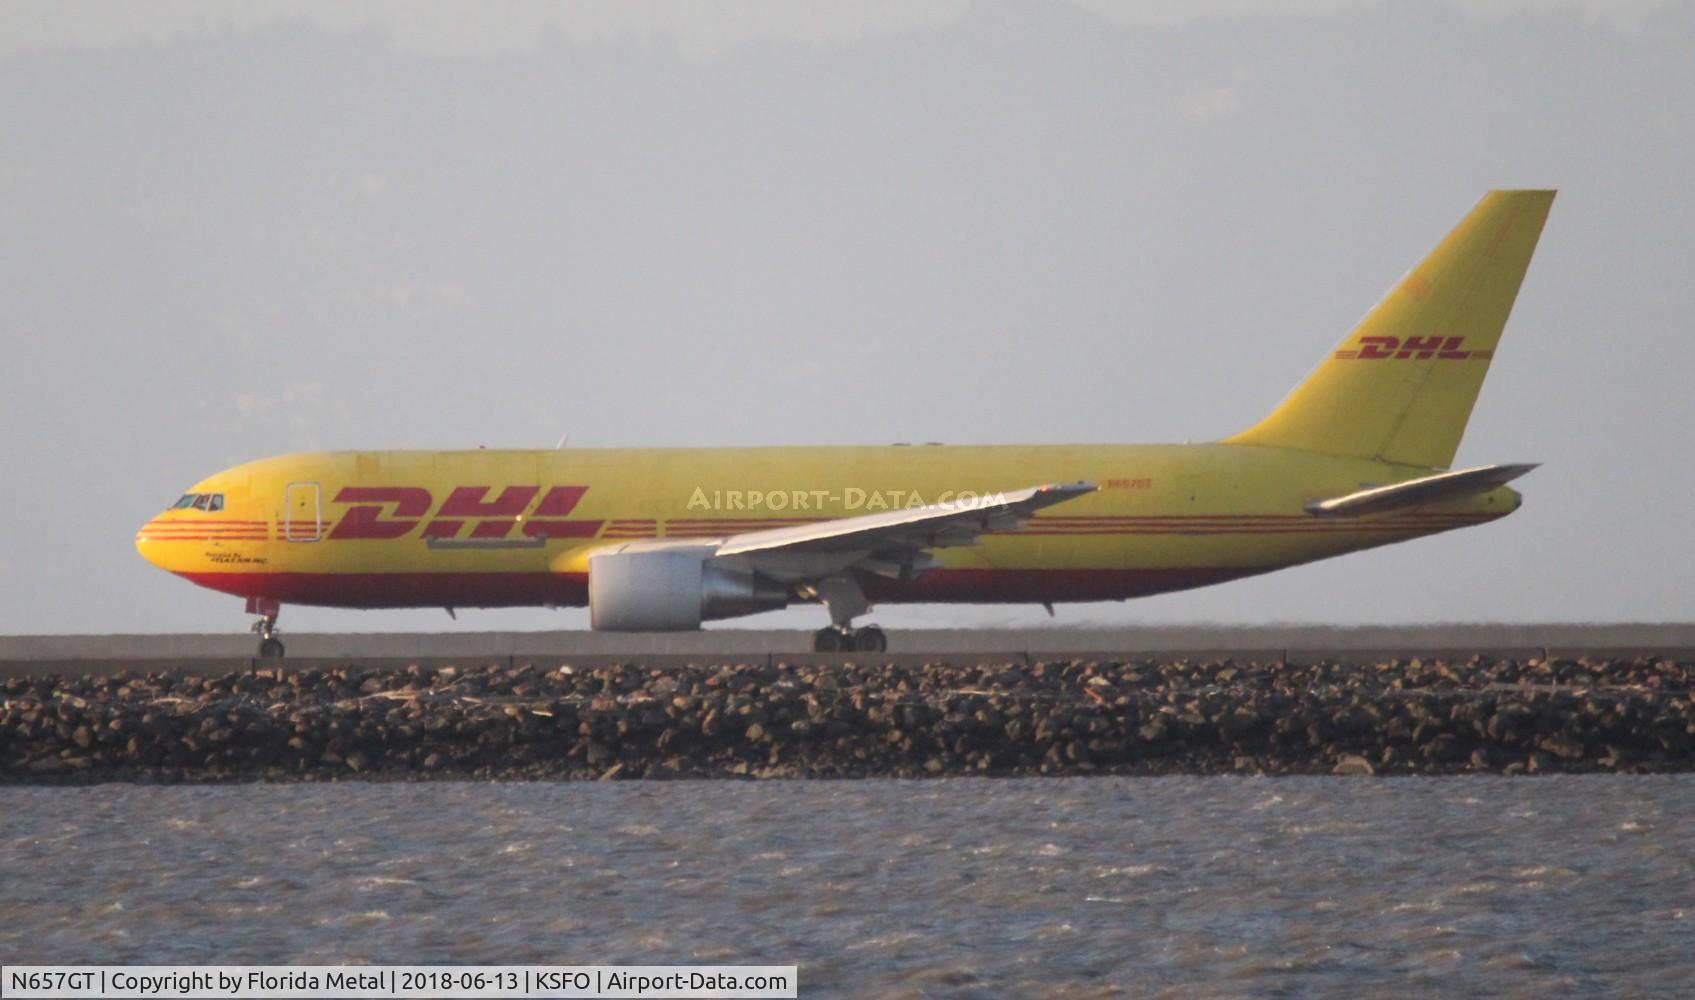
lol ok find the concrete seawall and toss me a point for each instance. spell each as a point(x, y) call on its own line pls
point(22, 655)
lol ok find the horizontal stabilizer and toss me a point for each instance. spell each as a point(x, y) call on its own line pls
point(1428, 489)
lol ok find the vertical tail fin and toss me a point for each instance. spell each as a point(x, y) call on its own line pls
point(1401, 386)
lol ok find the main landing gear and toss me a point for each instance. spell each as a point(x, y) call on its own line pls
point(270, 647)
point(842, 639)
point(842, 595)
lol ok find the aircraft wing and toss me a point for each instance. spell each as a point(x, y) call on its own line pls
point(1426, 489)
point(912, 530)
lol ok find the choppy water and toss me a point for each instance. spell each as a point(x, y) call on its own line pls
point(1080, 887)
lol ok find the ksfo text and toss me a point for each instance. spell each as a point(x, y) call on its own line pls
point(643, 983)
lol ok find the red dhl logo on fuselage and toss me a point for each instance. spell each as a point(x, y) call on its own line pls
point(395, 511)
point(1417, 348)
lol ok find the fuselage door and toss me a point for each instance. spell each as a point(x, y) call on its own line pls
point(301, 522)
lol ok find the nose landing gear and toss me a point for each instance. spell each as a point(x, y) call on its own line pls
point(270, 647)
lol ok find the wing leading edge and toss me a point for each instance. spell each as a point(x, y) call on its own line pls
point(935, 526)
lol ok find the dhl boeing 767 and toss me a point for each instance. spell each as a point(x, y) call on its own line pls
point(1357, 456)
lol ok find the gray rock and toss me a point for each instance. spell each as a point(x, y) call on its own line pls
point(1561, 746)
point(1352, 764)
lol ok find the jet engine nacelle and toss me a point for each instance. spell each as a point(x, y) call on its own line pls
point(673, 591)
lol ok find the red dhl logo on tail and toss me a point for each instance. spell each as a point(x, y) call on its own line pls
point(394, 511)
point(1418, 348)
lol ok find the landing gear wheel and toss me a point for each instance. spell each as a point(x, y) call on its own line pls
point(841, 639)
point(270, 647)
point(870, 639)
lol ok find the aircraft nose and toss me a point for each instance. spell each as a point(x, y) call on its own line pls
point(147, 544)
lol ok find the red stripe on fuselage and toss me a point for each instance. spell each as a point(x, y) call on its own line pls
point(201, 538)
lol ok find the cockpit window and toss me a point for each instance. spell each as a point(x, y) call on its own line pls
point(208, 502)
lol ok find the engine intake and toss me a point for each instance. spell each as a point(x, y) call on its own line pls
point(673, 591)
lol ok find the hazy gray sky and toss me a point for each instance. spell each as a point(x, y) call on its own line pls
point(229, 232)
point(695, 27)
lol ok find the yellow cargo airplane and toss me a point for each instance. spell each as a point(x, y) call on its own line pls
point(663, 539)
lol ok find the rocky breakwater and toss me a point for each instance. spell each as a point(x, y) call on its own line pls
point(760, 721)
